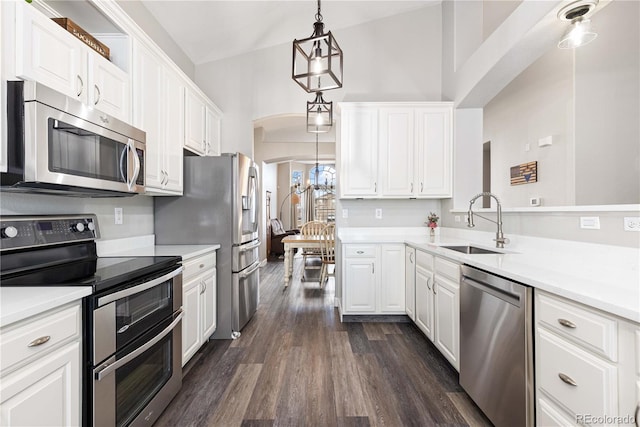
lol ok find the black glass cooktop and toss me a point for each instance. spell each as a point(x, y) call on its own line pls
point(101, 273)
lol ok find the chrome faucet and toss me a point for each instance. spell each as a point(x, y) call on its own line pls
point(500, 239)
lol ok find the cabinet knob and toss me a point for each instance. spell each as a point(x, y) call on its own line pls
point(39, 341)
point(567, 323)
point(567, 379)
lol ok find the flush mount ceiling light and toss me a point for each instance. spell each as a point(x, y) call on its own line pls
point(319, 115)
point(317, 60)
point(580, 31)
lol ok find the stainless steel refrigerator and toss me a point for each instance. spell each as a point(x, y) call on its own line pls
point(220, 204)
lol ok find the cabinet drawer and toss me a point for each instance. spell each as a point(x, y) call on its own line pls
point(551, 416)
point(424, 260)
point(448, 268)
point(198, 265)
point(352, 251)
point(41, 332)
point(596, 381)
point(587, 327)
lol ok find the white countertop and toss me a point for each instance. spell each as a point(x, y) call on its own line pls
point(144, 246)
point(18, 303)
point(601, 276)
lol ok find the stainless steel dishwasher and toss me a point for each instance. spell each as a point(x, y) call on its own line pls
point(496, 347)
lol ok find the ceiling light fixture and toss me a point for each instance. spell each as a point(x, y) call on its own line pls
point(317, 60)
point(319, 115)
point(580, 31)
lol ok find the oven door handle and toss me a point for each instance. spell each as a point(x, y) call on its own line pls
point(107, 369)
point(134, 290)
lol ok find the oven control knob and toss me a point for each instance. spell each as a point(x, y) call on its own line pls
point(9, 232)
point(91, 226)
point(79, 227)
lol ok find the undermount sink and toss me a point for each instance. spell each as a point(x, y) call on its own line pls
point(471, 250)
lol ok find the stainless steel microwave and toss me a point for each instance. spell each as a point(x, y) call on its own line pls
point(57, 145)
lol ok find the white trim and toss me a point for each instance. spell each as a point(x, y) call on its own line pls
point(589, 208)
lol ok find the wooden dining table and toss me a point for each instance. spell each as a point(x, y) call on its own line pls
point(293, 242)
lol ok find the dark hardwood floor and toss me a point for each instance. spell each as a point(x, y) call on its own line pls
point(296, 364)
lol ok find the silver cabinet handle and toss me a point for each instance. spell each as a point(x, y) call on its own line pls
point(375, 187)
point(421, 187)
point(39, 341)
point(359, 252)
point(81, 85)
point(97, 89)
point(201, 287)
point(412, 187)
point(411, 257)
point(106, 370)
point(567, 323)
point(434, 287)
point(373, 268)
point(567, 379)
point(428, 285)
point(204, 283)
point(136, 164)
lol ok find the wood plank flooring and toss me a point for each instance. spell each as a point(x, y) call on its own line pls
point(296, 364)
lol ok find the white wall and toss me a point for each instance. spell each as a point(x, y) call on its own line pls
point(396, 58)
point(137, 210)
point(395, 213)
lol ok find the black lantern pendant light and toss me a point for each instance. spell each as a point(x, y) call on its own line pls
point(317, 60)
point(319, 115)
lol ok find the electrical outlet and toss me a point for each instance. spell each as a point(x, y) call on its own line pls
point(590, 222)
point(345, 213)
point(631, 223)
point(456, 218)
point(118, 215)
point(378, 213)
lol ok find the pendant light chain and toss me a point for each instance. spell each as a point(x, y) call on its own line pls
point(319, 15)
point(317, 170)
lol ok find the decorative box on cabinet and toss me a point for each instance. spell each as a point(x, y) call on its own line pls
point(199, 303)
point(158, 109)
point(40, 379)
point(586, 364)
point(48, 54)
point(374, 279)
point(395, 150)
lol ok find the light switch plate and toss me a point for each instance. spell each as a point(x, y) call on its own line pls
point(590, 222)
point(378, 213)
point(118, 215)
point(345, 213)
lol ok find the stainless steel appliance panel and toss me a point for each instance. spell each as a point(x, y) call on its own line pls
point(496, 357)
point(246, 202)
point(245, 295)
point(245, 255)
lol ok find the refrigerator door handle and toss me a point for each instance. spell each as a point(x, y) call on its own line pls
point(249, 272)
point(249, 247)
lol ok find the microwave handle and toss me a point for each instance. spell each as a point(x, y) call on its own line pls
point(136, 161)
point(122, 158)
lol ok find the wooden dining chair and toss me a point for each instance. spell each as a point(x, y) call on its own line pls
point(327, 251)
point(311, 229)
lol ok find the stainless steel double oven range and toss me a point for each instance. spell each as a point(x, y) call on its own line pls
point(132, 320)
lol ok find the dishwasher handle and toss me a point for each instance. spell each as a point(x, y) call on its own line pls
point(498, 292)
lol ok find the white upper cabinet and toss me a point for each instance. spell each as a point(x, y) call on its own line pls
point(202, 121)
point(157, 109)
point(48, 54)
point(396, 150)
point(433, 151)
point(358, 175)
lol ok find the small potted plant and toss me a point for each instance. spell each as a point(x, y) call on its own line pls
point(432, 223)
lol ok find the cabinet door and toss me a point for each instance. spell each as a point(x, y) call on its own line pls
point(110, 89)
point(174, 131)
point(397, 156)
point(392, 280)
point(433, 135)
point(208, 301)
point(359, 153)
point(213, 132)
point(148, 110)
point(48, 54)
point(45, 392)
point(195, 138)
point(410, 283)
point(424, 301)
point(360, 285)
point(447, 319)
point(191, 326)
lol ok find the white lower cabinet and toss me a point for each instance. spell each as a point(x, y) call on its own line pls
point(424, 293)
point(198, 303)
point(410, 283)
point(374, 279)
point(586, 364)
point(40, 378)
